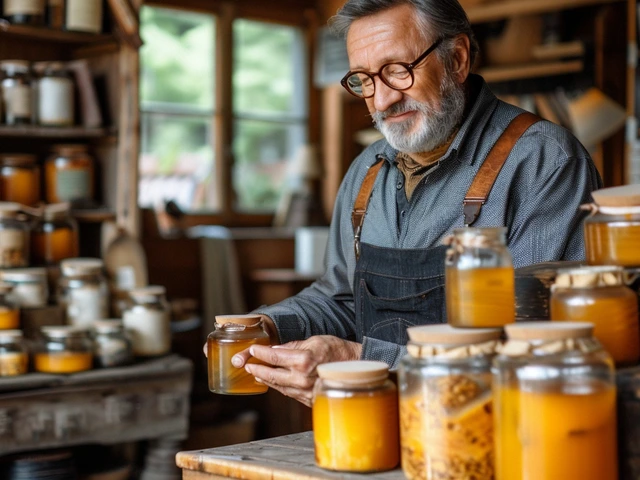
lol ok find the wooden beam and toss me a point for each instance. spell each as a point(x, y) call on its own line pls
point(533, 70)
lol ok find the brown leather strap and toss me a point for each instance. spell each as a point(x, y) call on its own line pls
point(482, 184)
point(362, 201)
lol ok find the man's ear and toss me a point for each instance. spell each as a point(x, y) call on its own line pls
point(461, 58)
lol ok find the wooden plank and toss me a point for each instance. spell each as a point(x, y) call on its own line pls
point(556, 51)
point(26, 32)
point(32, 131)
point(517, 72)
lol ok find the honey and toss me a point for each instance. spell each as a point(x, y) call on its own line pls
point(13, 364)
point(51, 247)
point(9, 318)
point(63, 362)
point(69, 175)
point(19, 179)
point(64, 349)
point(614, 242)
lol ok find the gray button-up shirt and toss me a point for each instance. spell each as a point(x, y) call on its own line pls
point(536, 196)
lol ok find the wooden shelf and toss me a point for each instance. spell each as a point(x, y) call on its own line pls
point(512, 8)
point(53, 132)
point(533, 70)
point(50, 35)
point(97, 215)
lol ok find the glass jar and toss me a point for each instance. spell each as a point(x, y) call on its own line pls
point(9, 310)
point(355, 417)
point(54, 236)
point(479, 278)
point(17, 93)
point(30, 287)
point(612, 235)
point(55, 95)
point(69, 175)
point(14, 236)
point(24, 12)
point(55, 14)
point(555, 404)
point(233, 334)
point(599, 295)
point(113, 346)
point(64, 349)
point(20, 179)
point(14, 358)
point(83, 291)
point(446, 419)
point(148, 320)
point(84, 15)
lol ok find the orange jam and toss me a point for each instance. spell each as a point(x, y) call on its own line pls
point(9, 318)
point(12, 364)
point(223, 376)
point(613, 243)
point(63, 362)
point(54, 246)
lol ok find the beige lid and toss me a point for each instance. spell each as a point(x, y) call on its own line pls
point(586, 277)
point(246, 320)
point(21, 66)
point(147, 294)
point(10, 335)
point(55, 211)
point(108, 325)
point(72, 267)
point(27, 275)
point(17, 160)
point(445, 334)
point(63, 331)
point(528, 331)
point(357, 371)
point(623, 196)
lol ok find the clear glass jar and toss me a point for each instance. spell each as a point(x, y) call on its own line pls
point(147, 318)
point(9, 309)
point(84, 15)
point(17, 92)
point(113, 347)
point(14, 236)
point(69, 175)
point(55, 95)
point(14, 357)
point(64, 349)
point(446, 417)
point(479, 278)
point(20, 179)
point(83, 291)
point(612, 236)
point(54, 236)
point(233, 334)
point(30, 287)
point(24, 12)
point(555, 404)
point(355, 417)
point(599, 295)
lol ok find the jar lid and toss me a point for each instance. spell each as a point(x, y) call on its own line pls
point(26, 275)
point(528, 331)
point(17, 66)
point(478, 237)
point(246, 320)
point(69, 149)
point(108, 325)
point(147, 294)
point(589, 276)
point(354, 372)
point(64, 331)
point(72, 267)
point(18, 160)
point(623, 196)
point(10, 209)
point(445, 334)
point(56, 211)
point(10, 335)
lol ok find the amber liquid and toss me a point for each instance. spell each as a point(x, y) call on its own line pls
point(223, 376)
point(13, 364)
point(556, 436)
point(77, 169)
point(63, 362)
point(357, 434)
point(616, 243)
point(20, 185)
point(9, 318)
point(51, 247)
point(480, 297)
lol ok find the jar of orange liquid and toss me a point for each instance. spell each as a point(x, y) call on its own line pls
point(64, 349)
point(479, 278)
point(599, 295)
point(355, 417)
point(19, 179)
point(555, 404)
point(54, 236)
point(69, 175)
point(446, 416)
point(14, 358)
point(9, 310)
point(233, 334)
point(14, 236)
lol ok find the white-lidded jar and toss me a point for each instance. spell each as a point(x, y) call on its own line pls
point(55, 95)
point(83, 290)
point(148, 320)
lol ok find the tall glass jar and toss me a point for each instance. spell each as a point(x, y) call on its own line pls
point(54, 236)
point(555, 404)
point(446, 417)
point(17, 93)
point(599, 295)
point(84, 15)
point(147, 318)
point(233, 334)
point(69, 175)
point(14, 357)
point(113, 347)
point(479, 278)
point(64, 349)
point(30, 288)
point(9, 309)
point(355, 417)
point(19, 179)
point(83, 291)
point(24, 12)
point(14, 236)
point(55, 95)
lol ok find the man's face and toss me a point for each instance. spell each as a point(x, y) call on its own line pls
point(418, 119)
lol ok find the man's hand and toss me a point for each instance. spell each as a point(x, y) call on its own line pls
point(291, 367)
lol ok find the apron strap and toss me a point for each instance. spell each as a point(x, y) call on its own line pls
point(362, 201)
point(482, 184)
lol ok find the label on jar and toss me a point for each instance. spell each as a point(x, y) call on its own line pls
point(12, 248)
point(84, 15)
point(17, 100)
point(73, 185)
point(150, 331)
point(86, 305)
point(55, 101)
point(24, 7)
point(125, 278)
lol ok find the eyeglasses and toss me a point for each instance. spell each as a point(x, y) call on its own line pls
point(397, 75)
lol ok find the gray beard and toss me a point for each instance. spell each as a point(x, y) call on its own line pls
point(437, 124)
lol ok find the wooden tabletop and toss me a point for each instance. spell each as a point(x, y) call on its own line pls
point(282, 458)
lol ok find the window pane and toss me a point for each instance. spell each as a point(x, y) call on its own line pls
point(261, 152)
point(176, 162)
point(177, 57)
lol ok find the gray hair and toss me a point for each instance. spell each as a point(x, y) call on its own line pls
point(446, 18)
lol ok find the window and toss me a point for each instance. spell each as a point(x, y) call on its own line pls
point(180, 118)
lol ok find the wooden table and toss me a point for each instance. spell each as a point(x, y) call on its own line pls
point(282, 458)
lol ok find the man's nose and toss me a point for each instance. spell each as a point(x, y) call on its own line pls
point(385, 96)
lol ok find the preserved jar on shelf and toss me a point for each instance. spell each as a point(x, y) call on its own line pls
point(555, 404)
point(14, 236)
point(599, 295)
point(69, 175)
point(148, 320)
point(479, 278)
point(30, 287)
point(55, 14)
point(14, 357)
point(9, 309)
point(55, 95)
point(113, 346)
point(54, 236)
point(17, 92)
point(446, 418)
point(19, 179)
point(355, 417)
point(64, 349)
point(83, 15)
point(25, 12)
point(233, 334)
point(83, 291)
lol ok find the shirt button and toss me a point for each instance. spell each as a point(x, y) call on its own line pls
point(402, 213)
point(399, 185)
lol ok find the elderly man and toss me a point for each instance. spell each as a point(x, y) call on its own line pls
point(410, 61)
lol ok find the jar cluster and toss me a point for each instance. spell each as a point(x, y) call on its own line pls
point(84, 16)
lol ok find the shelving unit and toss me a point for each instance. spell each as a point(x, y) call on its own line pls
point(534, 70)
point(97, 215)
point(50, 35)
point(512, 8)
point(34, 131)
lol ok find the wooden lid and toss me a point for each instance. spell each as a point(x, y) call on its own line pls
point(445, 334)
point(623, 196)
point(528, 331)
point(246, 320)
point(147, 294)
point(589, 277)
point(357, 371)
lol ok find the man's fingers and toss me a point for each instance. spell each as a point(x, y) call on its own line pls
point(280, 376)
point(283, 357)
point(303, 396)
point(240, 359)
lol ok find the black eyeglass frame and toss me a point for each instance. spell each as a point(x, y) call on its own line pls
point(408, 66)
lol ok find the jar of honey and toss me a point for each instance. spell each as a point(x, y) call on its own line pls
point(54, 236)
point(64, 349)
point(14, 358)
point(599, 295)
point(233, 334)
point(14, 236)
point(69, 175)
point(9, 310)
point(83, 290)
point(446, 415)
point(19, 179)
point(30, 288)
point(479, 278)
point(555, 404)
point(148, 319)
